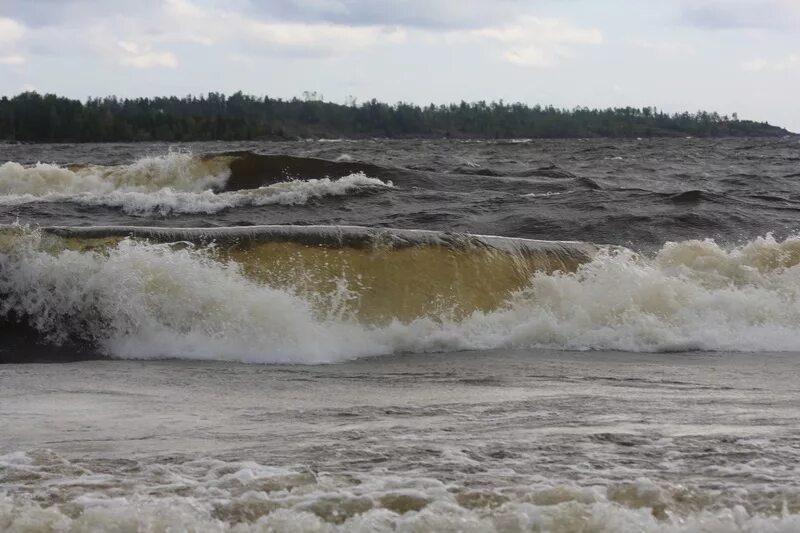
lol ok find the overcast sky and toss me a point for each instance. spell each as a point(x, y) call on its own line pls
point(725, 55)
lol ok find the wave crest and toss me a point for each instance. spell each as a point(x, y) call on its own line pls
point(182, 183)
point(294, 299)
point(176, 170)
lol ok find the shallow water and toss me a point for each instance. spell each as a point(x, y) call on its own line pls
point(507, 440)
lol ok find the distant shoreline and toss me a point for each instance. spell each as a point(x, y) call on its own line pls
point(509, 140)
point(31, 117)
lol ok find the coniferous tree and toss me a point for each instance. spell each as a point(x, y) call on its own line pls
point(35, 118)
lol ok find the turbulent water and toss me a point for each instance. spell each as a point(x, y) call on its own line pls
point(515, 336)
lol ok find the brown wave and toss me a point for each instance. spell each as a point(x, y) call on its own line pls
point(389, 274)
point(249, 170)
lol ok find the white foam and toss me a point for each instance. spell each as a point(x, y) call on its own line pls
point(547, 194)
point(300, 192)
point(177, 170)
point(141, 300)
point(175, 183)
point(183, 514)
point(144, 300)
point(213, 495)
point(170, 201)
point(693, 295)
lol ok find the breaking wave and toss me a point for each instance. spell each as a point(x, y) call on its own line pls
point(310, 295)
point(182, 183)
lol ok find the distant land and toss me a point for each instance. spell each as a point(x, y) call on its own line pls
point(31, 117)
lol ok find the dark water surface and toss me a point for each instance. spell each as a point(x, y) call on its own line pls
point(635, 193)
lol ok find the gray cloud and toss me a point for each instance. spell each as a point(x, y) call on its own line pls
point(36, 13)
point(733, 14)
point(429, 14)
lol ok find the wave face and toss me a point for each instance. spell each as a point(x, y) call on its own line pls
point(182, 183)
point(305, 295)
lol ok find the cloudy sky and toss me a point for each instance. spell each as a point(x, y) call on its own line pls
point(726, 55)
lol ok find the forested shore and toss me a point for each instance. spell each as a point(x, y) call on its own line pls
point(31, 117)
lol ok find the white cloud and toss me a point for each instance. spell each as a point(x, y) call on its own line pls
point(321, 37)
point(142, 56)
point(11, 30)
point(185, 21)
point(12, 59)
point(539, 42)
point(781, 64)
point(531, 56)
point(666, 48)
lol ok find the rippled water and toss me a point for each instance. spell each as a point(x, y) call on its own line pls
point(470, 384)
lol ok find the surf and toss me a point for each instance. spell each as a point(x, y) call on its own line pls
point(261, 294)
point(324, 294)
point(180, 182)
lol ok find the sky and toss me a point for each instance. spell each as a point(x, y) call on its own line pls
point(729, 56)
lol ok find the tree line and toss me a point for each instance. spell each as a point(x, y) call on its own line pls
point(31, 117)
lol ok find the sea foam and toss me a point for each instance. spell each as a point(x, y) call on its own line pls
point(244, 496)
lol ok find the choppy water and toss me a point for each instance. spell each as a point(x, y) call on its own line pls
point(636, 193)
point(637, 375)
